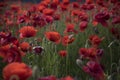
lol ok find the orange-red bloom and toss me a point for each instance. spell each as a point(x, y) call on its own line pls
point(67, 78)
point(67, 40)
point(53, 36)
point(16, 71)
point(63, 7)
point(95, 40)
point(70, 28)
point(65, 2)
point(89, 53)
point(11, 53)
point(41, 8)
point(62, 53)
point(24, 46)
point(76, 12)
point(48, 11)
point(55, 1)
point(3, 49)
point(27, 31)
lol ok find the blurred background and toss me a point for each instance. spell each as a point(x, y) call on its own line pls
point(34, 0)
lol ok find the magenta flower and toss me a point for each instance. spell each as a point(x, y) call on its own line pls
point(102, 18)
point(95, 70)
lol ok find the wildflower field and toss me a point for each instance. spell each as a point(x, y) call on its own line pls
point(60, 40)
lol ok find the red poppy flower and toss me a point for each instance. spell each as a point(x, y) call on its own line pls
point(55, 1)
point(48, 1)
point(16, 71)
point(54, 4)
point(49, 19)
point(56, 16)
point(83, 25)
point(62, 53)
point(67, 78)
point(91, 53)
point(89, 1)
point(48, 11)
point(63, 7)
point(95, 40)
point(88, 53)
point(41, 8)
point(14, 54)
point(21, 19)
point(76, 12)
point(70, 28)
point(83, 52)
point(95, 23)
point(10, 52)
point(4, 49)
point(100, 2)
point(9, 40)
point(67, 40)
point(65, 2)
point(83, 16)
point(25, 46)
point(27, 31)
point(53, 36)
point(75, 4)
point(87, 6)
point(45, 3)
point(5, 38)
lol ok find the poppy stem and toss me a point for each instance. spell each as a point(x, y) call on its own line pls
point(67, 63)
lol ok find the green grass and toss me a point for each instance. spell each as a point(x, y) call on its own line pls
point(50, 63)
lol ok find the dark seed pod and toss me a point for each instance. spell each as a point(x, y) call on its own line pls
point(38, 49)
point(100, 52)
point(96, 30)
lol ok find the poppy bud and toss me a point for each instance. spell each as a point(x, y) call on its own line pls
point(79, 62)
